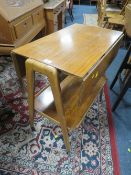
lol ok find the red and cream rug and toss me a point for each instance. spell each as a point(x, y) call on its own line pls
point(42, 152)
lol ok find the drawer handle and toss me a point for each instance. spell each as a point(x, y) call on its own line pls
point(95, 75)
point(92, 76)
point(25, 24)
point(38, 14)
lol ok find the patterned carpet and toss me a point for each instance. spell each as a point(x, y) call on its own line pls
point(42, 152)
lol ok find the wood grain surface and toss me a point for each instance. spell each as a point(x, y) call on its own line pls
point(75, 49)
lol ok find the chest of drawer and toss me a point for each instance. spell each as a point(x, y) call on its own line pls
point(22, 27)
point(56, 10)
point(38, 17)
point(59, 8)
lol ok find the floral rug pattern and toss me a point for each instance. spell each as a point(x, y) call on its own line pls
point(42, 152)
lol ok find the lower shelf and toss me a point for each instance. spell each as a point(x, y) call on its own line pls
point(74, 111)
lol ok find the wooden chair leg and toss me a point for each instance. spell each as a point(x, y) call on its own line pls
point(115, 79)
point(71, 15)
point(122, 93)
point(123, 66)
point(119, 98)
point(65, 20)
point(30, 87)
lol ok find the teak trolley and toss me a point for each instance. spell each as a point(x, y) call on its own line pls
point(82, 53)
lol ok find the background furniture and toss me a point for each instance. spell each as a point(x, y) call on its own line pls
point(128, 20)
point(69, 8)
point(115, 19)
point(55, 15)
point(20, 22)
point(125, 86)
point(66, 102)
point(93, 1)
point(101, 6)
point(110, 16)
point(126, 83)
point(77, 1)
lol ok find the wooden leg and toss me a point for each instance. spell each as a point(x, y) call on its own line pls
point(119, 98)
point(107, 25)
point(52, 74)
point(123, 66)
point(55, 85)
point(65, 137)
point(30, 87)
point(65, 20)
point(18, 72)
point(70, 13)
point(122, 93)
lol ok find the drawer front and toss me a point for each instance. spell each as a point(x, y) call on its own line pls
point(38, 17)
point(59, 8)
point(23, 27)
point(98, 72)
point(105, 62)
point(56, 10)
point(62, 6)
